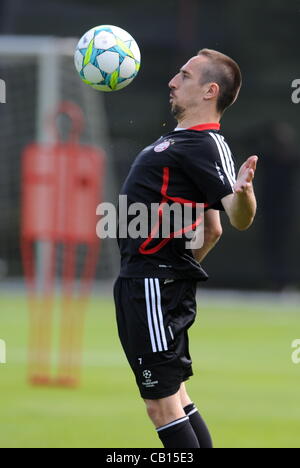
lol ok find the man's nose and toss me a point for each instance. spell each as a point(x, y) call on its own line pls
point(172, 83)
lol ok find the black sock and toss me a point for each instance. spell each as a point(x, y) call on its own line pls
point(178, 434)
point(199, 426)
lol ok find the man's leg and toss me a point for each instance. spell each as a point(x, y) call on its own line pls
point(195, 418)
point(171, 422)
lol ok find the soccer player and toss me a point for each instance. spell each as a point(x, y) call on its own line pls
point(155, 292)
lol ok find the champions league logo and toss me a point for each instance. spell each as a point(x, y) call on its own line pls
point(147, 374)
point(149, 383)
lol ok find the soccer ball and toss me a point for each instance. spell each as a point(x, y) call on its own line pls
point(107, 58)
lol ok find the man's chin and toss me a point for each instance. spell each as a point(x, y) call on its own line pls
point(177, 112)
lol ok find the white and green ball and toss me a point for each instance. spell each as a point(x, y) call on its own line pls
point(107, 58)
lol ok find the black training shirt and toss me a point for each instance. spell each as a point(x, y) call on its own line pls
point(183, 166)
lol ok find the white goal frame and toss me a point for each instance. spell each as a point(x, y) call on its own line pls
point(49, 52)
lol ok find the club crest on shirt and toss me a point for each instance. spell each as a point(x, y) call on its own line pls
point(163, 146)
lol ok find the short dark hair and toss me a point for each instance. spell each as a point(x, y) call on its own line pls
point(224, 71)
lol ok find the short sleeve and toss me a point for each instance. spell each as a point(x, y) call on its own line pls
point(210, 164)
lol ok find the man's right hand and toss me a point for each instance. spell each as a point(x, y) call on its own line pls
point(246, 175)
point(241, 205)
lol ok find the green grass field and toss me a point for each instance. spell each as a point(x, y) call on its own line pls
point(245, 383)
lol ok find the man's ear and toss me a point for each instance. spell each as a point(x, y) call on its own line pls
point(213, 90)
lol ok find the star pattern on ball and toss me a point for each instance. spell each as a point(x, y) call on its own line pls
point(105, 60)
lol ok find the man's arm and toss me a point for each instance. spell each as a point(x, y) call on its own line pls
point(212, 233)
point(241, 205)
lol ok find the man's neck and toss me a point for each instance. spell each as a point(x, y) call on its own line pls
point(192, 121)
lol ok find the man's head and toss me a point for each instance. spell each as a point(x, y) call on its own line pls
point(210, 82)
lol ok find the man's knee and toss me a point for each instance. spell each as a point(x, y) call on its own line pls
point(164, 410)
point(153, 410)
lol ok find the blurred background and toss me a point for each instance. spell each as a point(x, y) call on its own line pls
point(261, 37)
point(37, 41)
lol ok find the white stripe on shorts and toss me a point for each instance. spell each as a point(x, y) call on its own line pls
point(149, 316)
point(155, 315)
point(160, 316)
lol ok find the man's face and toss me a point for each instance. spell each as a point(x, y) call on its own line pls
point(186, 91)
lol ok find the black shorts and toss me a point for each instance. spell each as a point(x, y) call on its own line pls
point(153, 317)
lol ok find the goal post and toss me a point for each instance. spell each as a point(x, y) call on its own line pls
point(38, 73)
